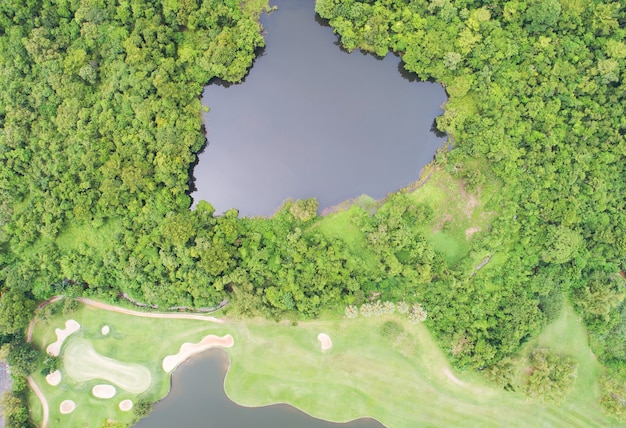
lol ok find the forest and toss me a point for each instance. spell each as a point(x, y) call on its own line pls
point(100, 127)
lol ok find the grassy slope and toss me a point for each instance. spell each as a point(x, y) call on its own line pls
point(400, 381)
point(457, 216)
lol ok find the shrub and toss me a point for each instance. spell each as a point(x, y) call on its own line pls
point(367, 310)
point(377, 308)
point(389, 308)
point(351, 312)
point(403, 307)
point(552, 376)
point(417, 314)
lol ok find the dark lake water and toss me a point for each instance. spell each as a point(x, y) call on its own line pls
point(311, 120)
point(197, 400)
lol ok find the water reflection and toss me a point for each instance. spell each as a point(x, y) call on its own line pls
point(197, 399)
point(313, 121)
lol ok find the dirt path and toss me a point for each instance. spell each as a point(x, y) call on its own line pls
point(44, 403)
point(453, 378)
point(112, 308)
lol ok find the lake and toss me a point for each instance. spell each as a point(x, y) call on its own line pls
point(311, 120)
point(197, 400)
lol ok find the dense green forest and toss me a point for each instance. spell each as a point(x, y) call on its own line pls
point(100, 125)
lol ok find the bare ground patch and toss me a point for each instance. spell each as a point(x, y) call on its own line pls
point(471, 231)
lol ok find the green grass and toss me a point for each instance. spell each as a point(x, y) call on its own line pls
point(457, 213)
point(132, 340)
point(340, 226)
point(567, 336)
point(82, 363)
point(400, 381)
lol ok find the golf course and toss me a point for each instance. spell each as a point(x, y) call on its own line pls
point(396, 375)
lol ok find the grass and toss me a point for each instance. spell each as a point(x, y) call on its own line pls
point(457, 216)
point(136, 342)
point(399, 380)
point(457, 213)
point(567, 336)
point(82, 363)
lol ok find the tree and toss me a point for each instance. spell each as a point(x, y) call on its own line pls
point(562, 244)
point(16, 309)
point(551, 376)
point(542, 14)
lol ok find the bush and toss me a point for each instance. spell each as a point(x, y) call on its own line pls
point(351, 312)
point(403, 307)
point(552, 376)
point(417, 314)
point(69, 306)
point(142, 408)
point(367, 310)
point(614, 395)
point(389, 308)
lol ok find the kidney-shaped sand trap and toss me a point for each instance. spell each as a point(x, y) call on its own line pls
point(188, 349)
point(325, 341)
point(54, 378)
point(67, 406)
point(82, 363)
point(103, 391)
point(71, 326)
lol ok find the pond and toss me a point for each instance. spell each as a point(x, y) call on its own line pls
point(311, 120)
point(197, 399)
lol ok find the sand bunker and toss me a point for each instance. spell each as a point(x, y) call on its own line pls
point(126, 405)
point(71, 326)
point(105, 330)
point(54, 378)
point(103, 391)
point(325, 341)
point(82, 363)
point(67, 406)
point(188, 349)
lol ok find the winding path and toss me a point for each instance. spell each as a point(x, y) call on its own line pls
point(44, 403)
point(100, 305)
point(108, 307)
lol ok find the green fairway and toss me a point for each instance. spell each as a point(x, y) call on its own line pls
point(402, 379)
point(403, 382)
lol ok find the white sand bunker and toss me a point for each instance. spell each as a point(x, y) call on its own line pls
point(54, 378)
point(71, 326)
point(188, 349)
point(103, 391)
point(325, 341)
point(82, 363)
point(67, 406)
point(105, 330)
point(126, 405)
